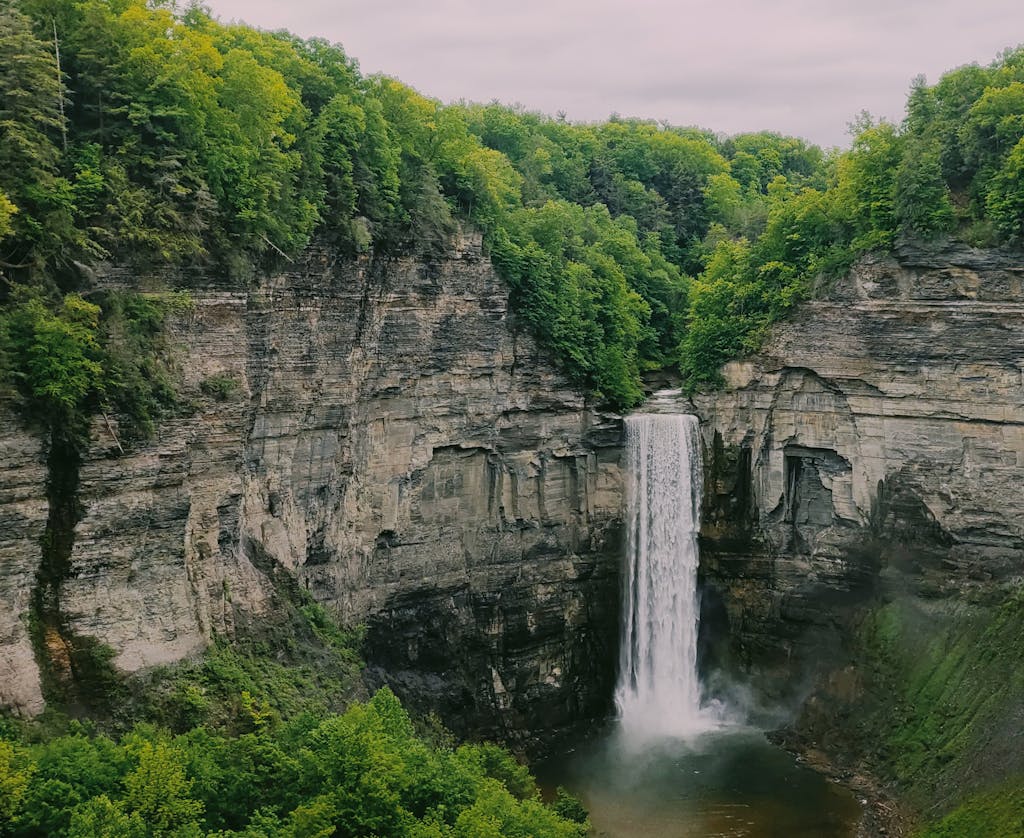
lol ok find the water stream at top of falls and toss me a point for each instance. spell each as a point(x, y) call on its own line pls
point(659, 692)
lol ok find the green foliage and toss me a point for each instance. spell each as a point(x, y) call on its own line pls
point(7, 211)
point(223, 388)
point(53, 356)
point(67, 773)
point(497, 814)
point(923, 207)
point(364, 772)
point(1004, 197)
point(995, 814)
point(865, 191)
point(949, 689)
point(139, 377)
point(575, 274)
point(724, 312)
point(159, 791)
point(101, 816)
point(72, 357)
point(187, 141)
point(245, 683)
point(568, 806)
point(15, 773)
point(756, 218)
point(30, 153)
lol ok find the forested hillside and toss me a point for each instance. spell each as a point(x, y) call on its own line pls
point(169, 137)
point(362, 773)
point(150, 135)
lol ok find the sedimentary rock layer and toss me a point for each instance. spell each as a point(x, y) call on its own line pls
point(379, 429)
point(879, 435)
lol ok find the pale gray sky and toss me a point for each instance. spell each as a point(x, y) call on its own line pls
point(796, 66)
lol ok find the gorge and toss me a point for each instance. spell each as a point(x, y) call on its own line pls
point(467, 506)
point(342, 430)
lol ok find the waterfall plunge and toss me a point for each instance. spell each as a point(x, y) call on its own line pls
point(659, 692)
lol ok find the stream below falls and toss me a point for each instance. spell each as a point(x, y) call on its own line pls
point(728, 783)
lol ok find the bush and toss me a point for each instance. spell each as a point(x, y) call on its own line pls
point(569, 807)
point(220, 387)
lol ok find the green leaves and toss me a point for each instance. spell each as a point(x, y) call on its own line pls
point(31, 126)
point(1004, 196)
point(55, 356)
point(364, 772)
point(7, 211)
point(923, 207)
point(158, 792)
point(69, 357)
point(575, 275)
point(191, 141)
point(15, 773)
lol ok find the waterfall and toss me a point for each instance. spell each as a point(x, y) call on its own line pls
point(659, 692)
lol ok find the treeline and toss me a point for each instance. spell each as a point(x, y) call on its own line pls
point(365, 772)
point(168, 136)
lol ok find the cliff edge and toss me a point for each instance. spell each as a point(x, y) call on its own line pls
point(379, 430)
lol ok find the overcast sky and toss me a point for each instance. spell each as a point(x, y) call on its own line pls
point(801, 67)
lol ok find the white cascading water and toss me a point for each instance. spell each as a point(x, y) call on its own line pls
point(659, 691)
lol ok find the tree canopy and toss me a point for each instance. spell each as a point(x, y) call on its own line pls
point(168, 137)
point(366, 772)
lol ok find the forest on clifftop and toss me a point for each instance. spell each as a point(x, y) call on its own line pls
point(168, 137)
point(147, 134)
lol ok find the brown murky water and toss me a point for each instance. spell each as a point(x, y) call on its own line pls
point(725, 784)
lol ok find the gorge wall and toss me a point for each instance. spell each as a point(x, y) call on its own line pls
point(864, 520)
point(378, 429)
point(880, 433)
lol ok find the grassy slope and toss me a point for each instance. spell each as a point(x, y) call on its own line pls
point(947, 681)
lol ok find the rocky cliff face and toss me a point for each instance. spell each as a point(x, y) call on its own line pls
point(378, 429)
point(874, 448)
point(23, 512)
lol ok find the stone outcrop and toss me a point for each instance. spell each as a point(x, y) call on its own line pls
point(379, 429)
point(875, 445)
point(23, 513)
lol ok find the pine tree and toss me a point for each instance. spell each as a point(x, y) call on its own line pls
point(30, 128)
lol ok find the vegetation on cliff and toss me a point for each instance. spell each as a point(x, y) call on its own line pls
point(166, 137)
point(365, 772)
point(999, 812)
point(935, 713)
point(261, 737)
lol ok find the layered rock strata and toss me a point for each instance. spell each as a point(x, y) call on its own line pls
point(873, 448)
point(23, 514)
point(380, 430)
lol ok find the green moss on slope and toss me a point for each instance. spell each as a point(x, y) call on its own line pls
point(947, 680)
point(995, 814)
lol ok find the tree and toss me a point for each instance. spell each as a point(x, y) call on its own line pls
point(101, 816)
point(159, 792)
point(865, 192)
point(55, 356)
point(1005, 196)
point(15, 773)
point(922, 202)
point(30, 122)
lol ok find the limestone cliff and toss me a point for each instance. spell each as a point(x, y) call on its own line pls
point(863, 541)
point(23, 512)
point(881, 429)
point(379, 429)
